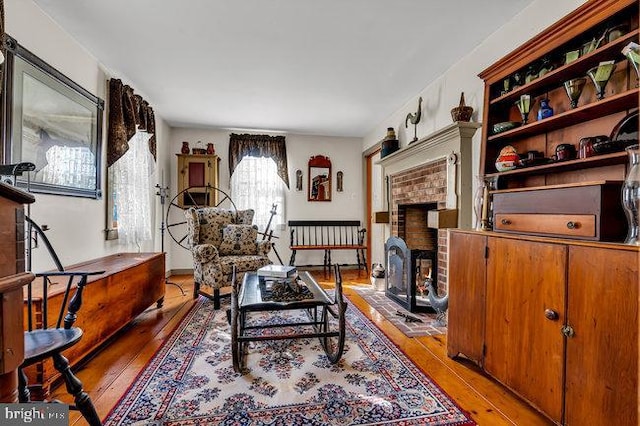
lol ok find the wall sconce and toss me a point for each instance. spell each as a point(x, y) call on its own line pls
point(340, 177)
point(298, 180)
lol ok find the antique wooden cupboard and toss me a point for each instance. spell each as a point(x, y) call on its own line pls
point(197, 174)
point(547, 302)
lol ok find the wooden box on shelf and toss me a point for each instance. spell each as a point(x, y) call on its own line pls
point(586, 211)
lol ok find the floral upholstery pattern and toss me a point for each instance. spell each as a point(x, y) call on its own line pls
point(239, 239)
point(213, 258)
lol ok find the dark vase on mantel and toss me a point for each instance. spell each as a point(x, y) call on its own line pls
point(390, 143)
point(185, 148)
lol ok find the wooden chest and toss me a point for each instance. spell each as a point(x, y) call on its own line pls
point(132, 282)
point(586, 211)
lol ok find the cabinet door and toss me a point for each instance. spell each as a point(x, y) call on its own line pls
point(602, 355)
point(524, 348)
point(467, 279)
point(200, 174)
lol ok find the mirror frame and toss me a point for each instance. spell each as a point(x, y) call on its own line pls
point(319, 174)
point(12, 108)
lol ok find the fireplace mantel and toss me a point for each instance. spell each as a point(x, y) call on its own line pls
point(452, 143)
point(439, 144)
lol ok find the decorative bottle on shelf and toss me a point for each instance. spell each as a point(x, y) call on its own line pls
point(545, 110)
point(185, 148)
point(631, 195)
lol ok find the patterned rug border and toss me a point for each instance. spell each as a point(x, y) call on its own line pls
point(146, 372)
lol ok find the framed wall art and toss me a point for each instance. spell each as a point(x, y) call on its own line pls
point(52, 122)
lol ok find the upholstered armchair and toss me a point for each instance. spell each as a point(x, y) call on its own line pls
point(221, 239)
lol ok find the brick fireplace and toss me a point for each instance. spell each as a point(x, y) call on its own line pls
point(432, 174)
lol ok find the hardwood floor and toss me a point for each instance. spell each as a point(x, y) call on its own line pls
point(111, 371)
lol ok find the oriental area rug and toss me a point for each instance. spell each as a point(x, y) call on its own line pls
point(191, 381)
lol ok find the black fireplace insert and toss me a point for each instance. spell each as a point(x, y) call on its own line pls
point(407, 271)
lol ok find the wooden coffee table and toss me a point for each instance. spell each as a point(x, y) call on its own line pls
point(318, 308)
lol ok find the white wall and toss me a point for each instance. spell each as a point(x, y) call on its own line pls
point(443, 94)
point(77, 224)
point(345, 154)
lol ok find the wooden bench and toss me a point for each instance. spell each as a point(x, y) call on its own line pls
point(131, 283)
point(328, 235)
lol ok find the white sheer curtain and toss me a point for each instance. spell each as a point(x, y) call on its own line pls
point(132, 193)
point(255, 184)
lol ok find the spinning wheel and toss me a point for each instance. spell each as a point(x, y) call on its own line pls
point(197, 197)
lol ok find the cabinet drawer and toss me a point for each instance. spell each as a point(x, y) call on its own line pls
point(566, 225)
point(593, 207)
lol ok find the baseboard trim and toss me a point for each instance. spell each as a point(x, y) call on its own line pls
point(180, 272)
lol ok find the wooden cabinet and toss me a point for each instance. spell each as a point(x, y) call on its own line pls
point(197, 174)
point(525, 307)
point(12, 279)
point(556, 321)
point(467, 269)
point(592, 22)
point(602, 353)
point(541, 304)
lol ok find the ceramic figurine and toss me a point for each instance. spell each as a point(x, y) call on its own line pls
point(531, 74)
point(508, 159)
point(545, 110)
point(377, 270)
point(545, 67)
point(185, 148)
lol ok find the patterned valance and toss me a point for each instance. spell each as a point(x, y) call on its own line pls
point(126, 111)
point(247, 145)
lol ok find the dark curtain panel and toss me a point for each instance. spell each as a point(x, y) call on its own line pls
point(241, 146)
point(2, 49)
point(126, 111)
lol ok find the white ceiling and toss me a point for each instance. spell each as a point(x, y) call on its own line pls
point(324, 67)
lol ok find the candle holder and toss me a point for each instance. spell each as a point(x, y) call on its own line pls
point(482, 203)
point(524, 106)
point(600, 76)
point(574, 88)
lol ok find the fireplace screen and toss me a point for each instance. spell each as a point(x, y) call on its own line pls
point(406, 273)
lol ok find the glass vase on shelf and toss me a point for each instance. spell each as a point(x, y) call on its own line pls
point(631, 195)
point(482, 202)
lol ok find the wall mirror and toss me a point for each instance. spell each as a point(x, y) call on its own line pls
point(319, 178)
point(52, 122)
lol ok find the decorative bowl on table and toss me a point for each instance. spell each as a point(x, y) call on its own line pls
point(504, 126)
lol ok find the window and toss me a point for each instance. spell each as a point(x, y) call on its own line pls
point(255, 184)
point(130, 176)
